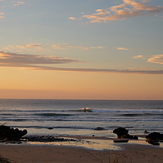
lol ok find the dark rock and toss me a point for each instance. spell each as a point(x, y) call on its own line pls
point(45, 138)
point(154, 136)
point(120, 140)
point(8, 133)
point(130, 137)
point(99, 128)
point(123, 133)
point(154, 142)
point(50, 128)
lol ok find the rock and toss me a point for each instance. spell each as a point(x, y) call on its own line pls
point(123, 133)
point(8, 133)
point(154, 136)
point(50, 128)
point(46, 138)
point(130, 137)
point(99, 128)
point(154, 142)
point(120, 140)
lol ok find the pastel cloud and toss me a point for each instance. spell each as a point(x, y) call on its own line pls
point(128, 9)
point(128, 71)
point(68, 47)
point(156, 59)
point(1, 15)
point(28, 47)
point(33, 62)
point(153, 59)
point(19, 3)
point(122, 48)
point(33, 45)
point(139, 57)
point(40, 47)
point(26, 60)
point(72, 18)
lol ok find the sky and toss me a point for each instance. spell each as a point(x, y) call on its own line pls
point(81, 49)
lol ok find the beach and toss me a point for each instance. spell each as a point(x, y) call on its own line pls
point(128, 153)
point(61, 131)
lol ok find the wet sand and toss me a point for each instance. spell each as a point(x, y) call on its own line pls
point(128, 153)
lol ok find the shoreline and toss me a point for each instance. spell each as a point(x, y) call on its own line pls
point(82, 151)
point(129, 153)
point(94, 142)
point(89, 142)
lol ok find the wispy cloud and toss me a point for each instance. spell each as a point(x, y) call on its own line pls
point(2, 15)
point(28, 47)
point(128, 71)
point(153, 59)
point(68, 47)
point(122, 48)
point(127, 9)
point(38, 47)
point(26, 60)
point(139, 57)
point(156, 59)
point(19, 3)
point(72, 18)
point(33, 62)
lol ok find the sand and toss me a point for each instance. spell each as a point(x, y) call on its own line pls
point(129, 153)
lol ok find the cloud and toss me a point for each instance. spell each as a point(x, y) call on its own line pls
point(72, 18)
point(122, 48)
point(38, 47)
point(33, 62)
point(26, 60)
point(68, 47)
point(19, 3)
point(33, 45)
point(1, 15)
point(139, 57)
point(128, 9)
point(28, 47)
point(156, 59)
point(127, 71)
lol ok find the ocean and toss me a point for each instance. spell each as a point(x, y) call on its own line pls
point(81, 117)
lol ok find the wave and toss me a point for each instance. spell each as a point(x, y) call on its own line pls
point(141, 114)
point(53, 114)
point(55, 127)
point(6, 114)
point(130, 115)
point(82, 110)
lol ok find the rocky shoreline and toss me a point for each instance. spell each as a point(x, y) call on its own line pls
point(45, 138)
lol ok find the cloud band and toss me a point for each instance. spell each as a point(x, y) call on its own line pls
point(32, 62)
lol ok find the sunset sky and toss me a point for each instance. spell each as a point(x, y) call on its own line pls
point(81, 49)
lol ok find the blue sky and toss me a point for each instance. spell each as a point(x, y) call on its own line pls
point(113, 36)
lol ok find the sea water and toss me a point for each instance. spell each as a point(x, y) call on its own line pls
point(82, 117)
